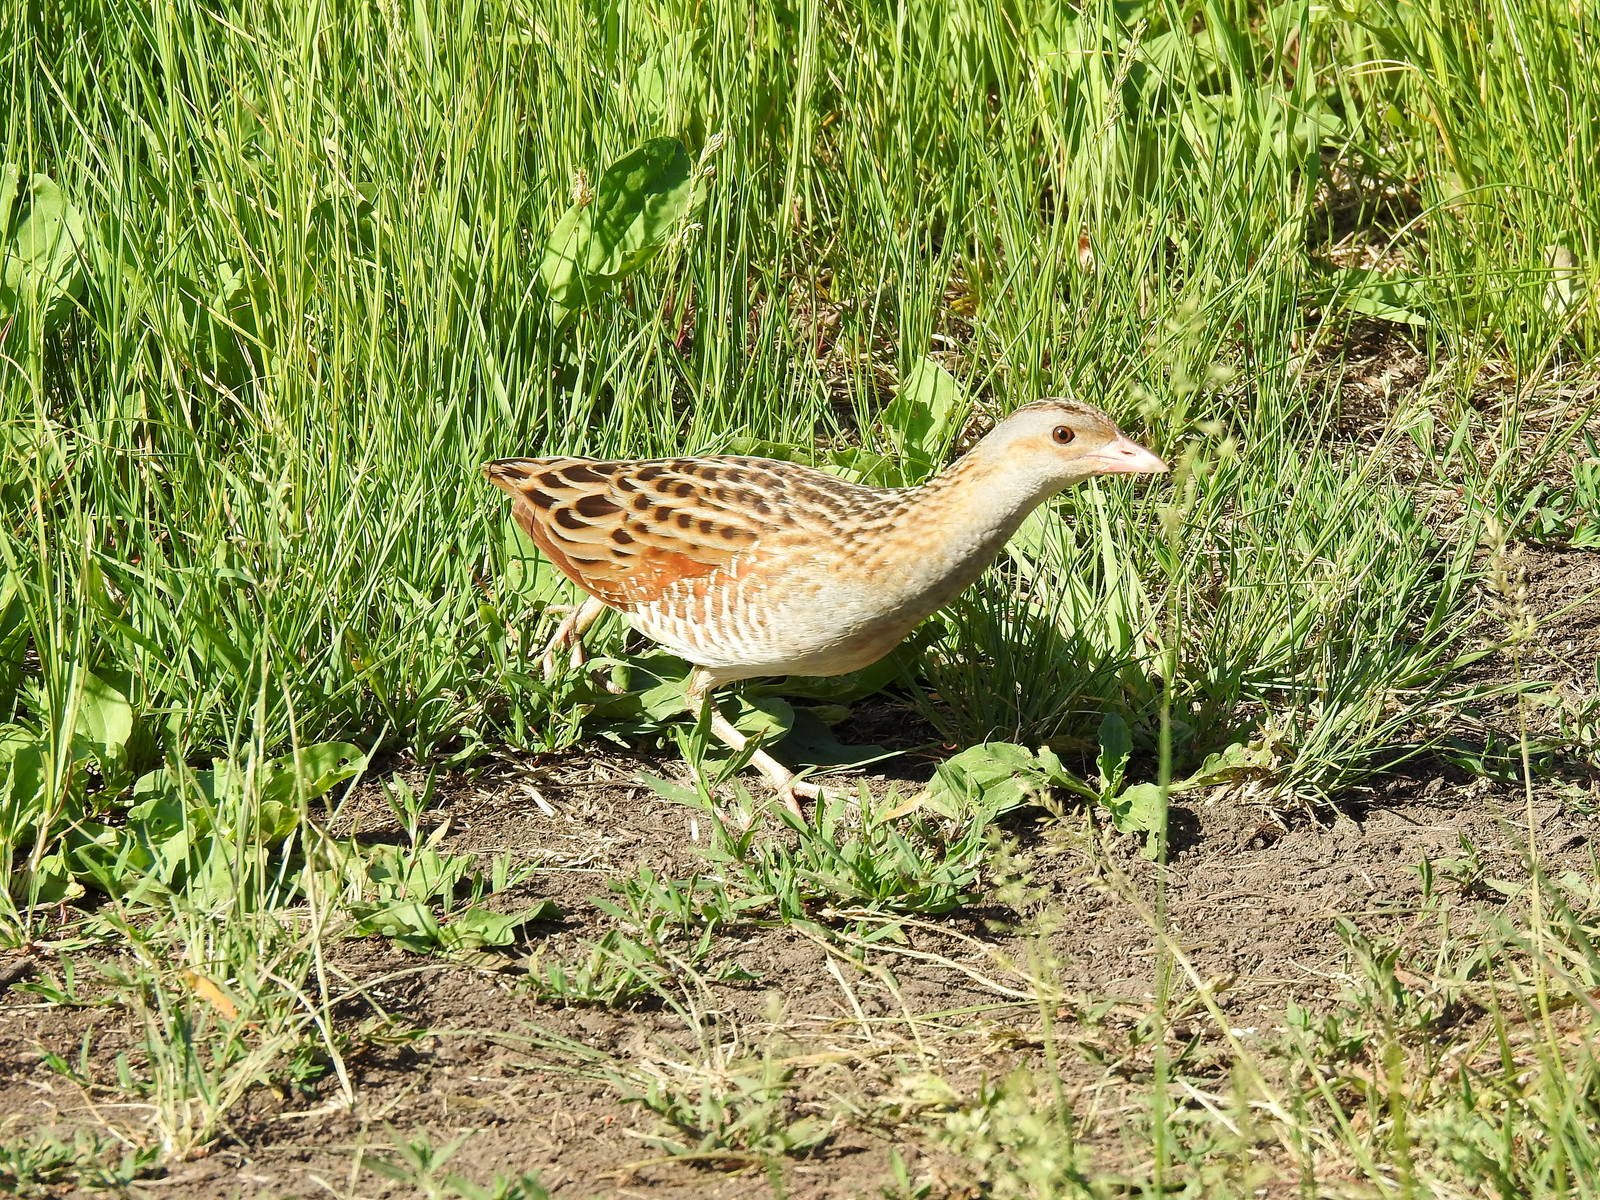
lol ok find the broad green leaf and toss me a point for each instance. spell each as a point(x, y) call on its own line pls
point(859, 465)
point(899, 663)
point(478, 928)
point(1297, 130)
point(42, 244)
point(1138, 809)
point(635, 207)
point(159, 805)
point(411, 924)
point(122, 862)
point(811, 742)
point(14, 741)
point(664, 699)
point(660, 680)
point(10, 185)
point(1234, 762)
point(566, 284)
point(105, 719)
point(415, 926)
point(665, 77)
point(639, 201)
point(996, 777)
point(764, 717)
point(1116, 747)
point(754, 447)
point(22, 781)
point(528, 573)
point(13, 628)
point(423, 875)
point(185, 828)
point(52, 880)
point(925, 415)
point(310, 772)
point(275, 820)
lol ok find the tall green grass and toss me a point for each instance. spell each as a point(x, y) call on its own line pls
point(239, 476)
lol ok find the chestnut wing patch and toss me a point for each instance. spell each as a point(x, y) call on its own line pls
point(632, 533)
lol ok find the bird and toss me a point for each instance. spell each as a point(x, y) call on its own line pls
point(751, 567)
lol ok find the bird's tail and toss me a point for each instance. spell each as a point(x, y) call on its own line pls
point(508, 473)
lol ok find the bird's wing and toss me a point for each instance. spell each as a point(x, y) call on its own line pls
point(630, 533)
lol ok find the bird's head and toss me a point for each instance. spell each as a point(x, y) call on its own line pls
point(1064, 441)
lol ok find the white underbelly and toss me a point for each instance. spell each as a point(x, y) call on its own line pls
point(804, 633)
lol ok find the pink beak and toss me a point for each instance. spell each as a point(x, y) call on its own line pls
point(1124, 456)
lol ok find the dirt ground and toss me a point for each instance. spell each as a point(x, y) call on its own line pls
point(1252, 899)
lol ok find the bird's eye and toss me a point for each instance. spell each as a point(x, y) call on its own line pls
point(1063, 434)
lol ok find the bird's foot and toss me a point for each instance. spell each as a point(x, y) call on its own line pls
point(599, 677)
point(549, 660)
point(793, 790)
point(569, 637)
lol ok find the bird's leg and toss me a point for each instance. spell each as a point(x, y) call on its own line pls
point(569, 636)
point(782, 779)
point(783, 782)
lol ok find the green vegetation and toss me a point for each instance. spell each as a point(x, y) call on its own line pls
point(275, 279)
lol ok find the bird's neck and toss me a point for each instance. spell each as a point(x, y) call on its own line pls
point(983, 492)
point(955, 524)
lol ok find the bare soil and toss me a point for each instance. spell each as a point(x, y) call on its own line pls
point(1252, 899)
